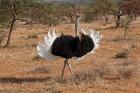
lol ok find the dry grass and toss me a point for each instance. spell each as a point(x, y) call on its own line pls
point(103, 71)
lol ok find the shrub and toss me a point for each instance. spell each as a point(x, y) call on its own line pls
point(122, 54)
point(50, 20)
point(40, 70)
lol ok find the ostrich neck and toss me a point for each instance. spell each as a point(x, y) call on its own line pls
point(77, 26)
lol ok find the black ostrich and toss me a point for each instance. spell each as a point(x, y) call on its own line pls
point(67, 46)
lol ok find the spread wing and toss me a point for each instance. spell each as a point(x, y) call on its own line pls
point(44, 49)
point(96, 37)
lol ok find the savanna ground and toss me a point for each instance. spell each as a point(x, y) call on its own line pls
point(114, 68)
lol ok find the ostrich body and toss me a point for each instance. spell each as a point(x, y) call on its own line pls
point(67, 46)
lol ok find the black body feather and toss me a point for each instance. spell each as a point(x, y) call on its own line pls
point(68, 46)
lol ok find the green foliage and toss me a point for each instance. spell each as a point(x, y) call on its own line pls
point(12, 10)
point(104, 6)
point(88, 13)
point(5, 14)
point(50, 8)
point(50, 20)
point(5, 18)
point(34, 10)
point(67, 10)
point(99, 8)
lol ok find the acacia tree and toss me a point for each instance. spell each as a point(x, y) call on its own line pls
point(104, 7)
point(131, 7)
point(117, 12)
point(7, 18)
point(89, 12)
point(51, 14)
point(13, 10)
point(67, 11)
point(100, 8)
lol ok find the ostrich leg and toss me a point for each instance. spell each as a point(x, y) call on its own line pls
point(62, 74)
point(69, 66)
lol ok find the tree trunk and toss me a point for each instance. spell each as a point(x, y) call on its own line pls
point(10, 32)
point(106, 18)
point(118, 21)
point(71, 17)
point(12, 24)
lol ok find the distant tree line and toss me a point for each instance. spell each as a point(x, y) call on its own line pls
point(39, 11)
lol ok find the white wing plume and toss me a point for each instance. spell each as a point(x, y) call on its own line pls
point(96, 37)
point(44, 49)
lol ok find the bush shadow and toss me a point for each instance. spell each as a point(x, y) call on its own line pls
point(23, 80)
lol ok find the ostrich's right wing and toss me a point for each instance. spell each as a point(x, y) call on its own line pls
point(49, 39)
point(45, 52)
point(44, 49)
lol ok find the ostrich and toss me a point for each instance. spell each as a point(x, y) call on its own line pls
point(67, 46)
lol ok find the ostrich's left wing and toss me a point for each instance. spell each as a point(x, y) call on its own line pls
point(96, 37)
